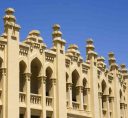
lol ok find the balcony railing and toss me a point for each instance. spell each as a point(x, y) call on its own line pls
point(22, 97)
point(35, 99)
point(49, 101)
point(75, 105)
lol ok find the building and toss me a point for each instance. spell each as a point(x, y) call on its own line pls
point(36, 82)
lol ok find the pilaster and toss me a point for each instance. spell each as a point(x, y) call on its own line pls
point(27, 77)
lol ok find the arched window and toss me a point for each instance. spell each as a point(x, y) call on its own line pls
point(110, 92)
point(75, 78)
point(67, 76)
point(1, 63)
point(35, 71)
point(22, 69)
point(103, 84)
point(49, 73)
point(84, 90)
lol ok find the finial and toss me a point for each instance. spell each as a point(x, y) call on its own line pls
point(73, 46)
point(56, 31)
point(9, 17)
point(112, 59)
point(56, 27)
point(34, 32)
point(101, 59)
point(123, 66)
point(89, 46)
point(9, 11)
point(111, 54)
point(89, 41)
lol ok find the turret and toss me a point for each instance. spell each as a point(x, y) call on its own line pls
point(90, 50)
point(91, 58)
point(58, 42)
point(10, 22)
point(59, 48)
point(112, 61)
point(11, 30)
point(101, 63)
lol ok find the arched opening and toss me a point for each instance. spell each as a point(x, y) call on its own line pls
point(75, 78)
point(121, 99)
point(67, 76)
point(110, 101)
point(35, 71)
point(49, 73)
point(1, 63)
point(103, 85)
point(84, 91)
point(110, 92)
point(22, 70)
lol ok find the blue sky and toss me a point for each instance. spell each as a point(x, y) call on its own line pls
point(106, 21)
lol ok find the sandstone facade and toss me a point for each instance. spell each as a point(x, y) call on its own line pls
point(37, 82)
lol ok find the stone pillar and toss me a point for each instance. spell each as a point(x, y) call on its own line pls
point(11, 28)
point(125, 110)
point(100, 104)
point(80, 89)
point(54, 96)
point(107, 105)
point(3, 78)
point(28, 111)
point(88, 100)
point(112, 107)
point(43, 115)
point(69, 95)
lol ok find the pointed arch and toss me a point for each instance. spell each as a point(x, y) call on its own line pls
point(1, 62)
point(49, 74)
point(36, 67)
point(67, 77)
point(110, 91)
point(84, 82)
point(22, 70)
point(104, 86)
point(75, 80)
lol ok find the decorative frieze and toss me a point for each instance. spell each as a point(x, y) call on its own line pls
point(49, 58)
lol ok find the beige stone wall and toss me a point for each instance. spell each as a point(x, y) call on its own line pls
point(37, 82)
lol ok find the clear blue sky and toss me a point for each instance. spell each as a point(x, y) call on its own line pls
point(106, 21)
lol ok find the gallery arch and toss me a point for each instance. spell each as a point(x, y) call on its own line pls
point(36, 67)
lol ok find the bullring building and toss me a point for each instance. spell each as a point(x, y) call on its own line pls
point(37, 82)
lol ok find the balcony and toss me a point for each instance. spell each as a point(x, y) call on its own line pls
point(22, 99)
point(75, 105)
point(85, 107)
point(35, 99)
point(49, 103)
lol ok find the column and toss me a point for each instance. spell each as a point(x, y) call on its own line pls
point(107, 105)
point(28, 111)
point(112, 107)
point(88, 100)
point(43, 115)
point(125, 110)
point(100, 104)
point(80, 89)
point(3, 79)
point(69, 95)
point(54, 96)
